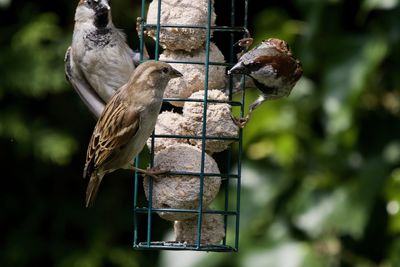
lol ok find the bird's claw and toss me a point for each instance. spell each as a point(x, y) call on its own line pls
point(155, 172)
point(245, 42)
point(240, 122)
point(152, 172)
point(139, 21)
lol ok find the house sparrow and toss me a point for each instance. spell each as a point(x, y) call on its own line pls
point(272, 68)
point(126, 123)
point(99, 60)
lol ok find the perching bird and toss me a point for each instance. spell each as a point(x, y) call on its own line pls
point(126, 123)
point(272, 68)
point(99, 60)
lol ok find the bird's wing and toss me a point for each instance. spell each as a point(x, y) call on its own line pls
point(82, 87)
point(116, 127)
point(135, 55)
point(283, 64)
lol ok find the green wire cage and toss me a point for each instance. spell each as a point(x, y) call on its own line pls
point(144, 236)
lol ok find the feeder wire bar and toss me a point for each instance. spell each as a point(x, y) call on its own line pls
point(203, 141)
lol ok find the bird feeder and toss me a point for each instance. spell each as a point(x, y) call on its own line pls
point(195, 139)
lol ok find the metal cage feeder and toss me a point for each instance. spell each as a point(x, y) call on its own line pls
point(229, 194)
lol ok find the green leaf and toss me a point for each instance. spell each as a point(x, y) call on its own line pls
point(346, 209)
point(55, 147)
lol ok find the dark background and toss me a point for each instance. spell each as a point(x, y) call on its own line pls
point(321, 176)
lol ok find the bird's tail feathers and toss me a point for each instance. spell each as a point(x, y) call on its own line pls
point(88, 171)
point(92, 189)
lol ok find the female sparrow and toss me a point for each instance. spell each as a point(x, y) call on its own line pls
point(126, 123)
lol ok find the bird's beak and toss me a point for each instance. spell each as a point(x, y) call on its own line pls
point(176, 74)
point(239, 68)
point(103, 7)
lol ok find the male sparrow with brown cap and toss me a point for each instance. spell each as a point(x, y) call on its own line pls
point(99, 61)
point(272, 69)
point(126, 122)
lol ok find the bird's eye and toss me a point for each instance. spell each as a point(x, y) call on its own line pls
point(91, 2)
point(254, 65)
point(165, 70)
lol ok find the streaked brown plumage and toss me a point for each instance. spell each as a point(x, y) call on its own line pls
point(126, 123)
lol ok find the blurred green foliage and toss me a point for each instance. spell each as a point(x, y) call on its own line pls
point(321, 172)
